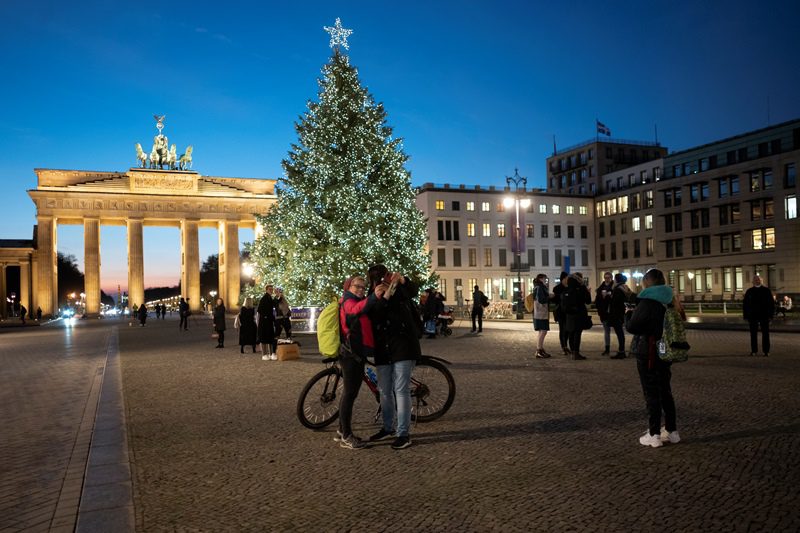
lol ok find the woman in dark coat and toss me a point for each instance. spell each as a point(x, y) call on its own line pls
point(573, 303)
point(266, 325)
point(141, 313)
point(247, 326)
point(219, 322)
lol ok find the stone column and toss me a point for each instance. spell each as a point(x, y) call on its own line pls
point(47, 271)
point(190, 264)
point(229, 271)
point(3, 294)
point(91, 268)
point(24, 287)
point(135, 264)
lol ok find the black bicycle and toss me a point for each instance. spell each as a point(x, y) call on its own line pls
point(433, 390)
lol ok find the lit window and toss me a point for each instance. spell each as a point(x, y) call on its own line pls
point(648, 222)
point(583, 210)
point(485, 206)
point(543, 209)
point(470, 206)
point(440, 205)
point(470, 229)
point(570, 209)
point(758, 239)
point(790, 205)
point(487, 230)
point(501, 230)
point(636, 224)
point(622, 201)
point(769, 238)
point(501, 207)
point(556, 209)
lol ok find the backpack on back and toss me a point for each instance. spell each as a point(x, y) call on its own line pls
point(529, 303)
point(484, 301)
point(328, 330)
point(672, 346)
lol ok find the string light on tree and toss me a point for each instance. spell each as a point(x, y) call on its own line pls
point(339, 34)
point(345, 200)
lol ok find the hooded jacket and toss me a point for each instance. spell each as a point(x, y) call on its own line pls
point(647, 320)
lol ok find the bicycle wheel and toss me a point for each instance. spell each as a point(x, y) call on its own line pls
point(318, 404)
point(433, 390)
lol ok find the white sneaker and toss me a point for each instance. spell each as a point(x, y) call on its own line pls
point(653, 441)
point(667, 436)
point(273, 356)
point(265, 357)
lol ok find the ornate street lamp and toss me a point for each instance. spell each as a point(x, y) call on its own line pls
point(516, 200)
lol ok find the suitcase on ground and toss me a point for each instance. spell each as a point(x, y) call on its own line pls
point(287, 352)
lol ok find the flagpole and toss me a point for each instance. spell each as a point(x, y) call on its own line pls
point(555, 151)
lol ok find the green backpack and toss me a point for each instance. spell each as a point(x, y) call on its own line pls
point(672, 346)
point(328, 330)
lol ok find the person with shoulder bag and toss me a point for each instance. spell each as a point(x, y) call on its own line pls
point(646, 324)
point(541, 314)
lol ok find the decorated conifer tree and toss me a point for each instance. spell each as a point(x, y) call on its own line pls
point(345, 201)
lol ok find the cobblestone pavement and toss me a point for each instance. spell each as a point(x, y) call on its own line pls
point(529, 445)
point(49, 387)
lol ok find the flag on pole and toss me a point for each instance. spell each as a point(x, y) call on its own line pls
point(602, 128)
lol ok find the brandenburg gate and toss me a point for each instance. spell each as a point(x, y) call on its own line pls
point(142, 197)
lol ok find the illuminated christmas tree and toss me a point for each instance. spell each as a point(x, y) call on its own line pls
point(345, 201)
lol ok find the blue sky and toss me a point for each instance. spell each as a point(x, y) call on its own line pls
point(475, 88)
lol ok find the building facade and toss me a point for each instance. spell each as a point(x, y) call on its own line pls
point(472, 237)
point(710, 217)
point(578, 169)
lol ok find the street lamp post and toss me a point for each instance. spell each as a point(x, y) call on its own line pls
point(518, 180)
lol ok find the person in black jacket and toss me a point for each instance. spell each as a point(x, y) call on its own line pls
point(219, 322)
point(573, 303)
point(247, 325)
point(397, 350)
point(646, 323)
point(602, 302)
point(183, 311)
point(478, 299)
point(558, 313)
point(620, 295)
point(758, 309)
point(266, 325)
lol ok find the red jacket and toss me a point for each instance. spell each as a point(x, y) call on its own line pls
point(351, 306)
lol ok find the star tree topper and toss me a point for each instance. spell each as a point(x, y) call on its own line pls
point(339, 35)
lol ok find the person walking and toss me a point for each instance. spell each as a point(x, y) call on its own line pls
point(758, 309)
point(22, 312)
point(266, 325)
point(478, 299)
point(397, 351)
point(646, 324)
point(574, 301)
point(219, 322)
point(541, 313)
point(246, 324)
point(620, 295)
point(283, 315)
point(142, 314)
point(602, 302)
point(357, 330)
point(559, 315)
point(183, 312)
point(38, 314)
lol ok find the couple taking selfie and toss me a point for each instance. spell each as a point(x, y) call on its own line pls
point(376, 317)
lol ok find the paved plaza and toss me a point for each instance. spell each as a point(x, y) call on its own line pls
point(208, 440)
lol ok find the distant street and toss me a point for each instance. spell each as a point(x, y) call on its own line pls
point(529, 445)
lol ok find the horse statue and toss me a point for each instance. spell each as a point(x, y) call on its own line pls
point(154, 159)
point(186, 159)
point(141, 157)
point(161, 148)
point(172, 158)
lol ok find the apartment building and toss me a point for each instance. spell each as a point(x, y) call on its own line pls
point(728, 210)
point(626, 221)
point(578, 169)
point(473, 239)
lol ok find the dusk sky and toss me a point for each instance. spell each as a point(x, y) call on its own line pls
point(475, 88)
